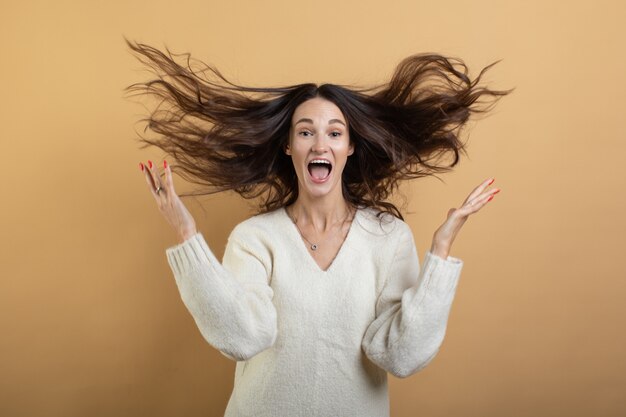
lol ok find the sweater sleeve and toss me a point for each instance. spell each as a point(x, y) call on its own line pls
point(412, 309)
point(231, 302)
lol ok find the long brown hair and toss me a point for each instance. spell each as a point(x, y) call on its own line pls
point(225, 136)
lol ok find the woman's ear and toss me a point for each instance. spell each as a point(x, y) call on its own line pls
point(351, 148)
point(287, 149)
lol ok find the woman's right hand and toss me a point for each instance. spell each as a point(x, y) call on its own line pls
point(170, 205)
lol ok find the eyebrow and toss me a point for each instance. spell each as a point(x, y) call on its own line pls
point(311, 121)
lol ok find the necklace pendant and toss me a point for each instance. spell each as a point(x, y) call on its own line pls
point(313, 246)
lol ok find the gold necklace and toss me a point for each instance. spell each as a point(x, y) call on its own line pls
point(313, 246)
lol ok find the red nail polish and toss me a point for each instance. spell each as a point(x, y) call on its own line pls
point(489, 199)
point(164, 164)
point(150, 163)
point(491, 182)
point(141, 166)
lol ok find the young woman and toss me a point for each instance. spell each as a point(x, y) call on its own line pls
point(321, 293)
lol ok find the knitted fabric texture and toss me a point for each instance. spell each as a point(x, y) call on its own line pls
point(310, 342)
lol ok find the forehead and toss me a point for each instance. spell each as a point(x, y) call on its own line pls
point(317, 109)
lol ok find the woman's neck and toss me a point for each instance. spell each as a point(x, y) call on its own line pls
point(322, 213)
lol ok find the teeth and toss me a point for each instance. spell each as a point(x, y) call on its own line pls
point(319, 161)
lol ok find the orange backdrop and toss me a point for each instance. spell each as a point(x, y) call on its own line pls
point(90, 318)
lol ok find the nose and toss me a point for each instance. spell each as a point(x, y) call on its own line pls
point(319, 146)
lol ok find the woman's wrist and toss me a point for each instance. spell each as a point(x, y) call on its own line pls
point(439, 249)
point(182, 237)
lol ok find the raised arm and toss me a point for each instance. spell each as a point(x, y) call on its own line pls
point(412, 309)
point(231, 303)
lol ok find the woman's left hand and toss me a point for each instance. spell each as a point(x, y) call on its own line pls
point(445, 234)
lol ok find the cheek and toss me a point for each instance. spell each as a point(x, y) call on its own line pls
point(343, 149)
point(297, 158)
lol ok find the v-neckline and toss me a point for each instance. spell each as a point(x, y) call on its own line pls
point(303, 246)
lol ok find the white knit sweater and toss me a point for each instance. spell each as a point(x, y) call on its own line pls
point(310, 342)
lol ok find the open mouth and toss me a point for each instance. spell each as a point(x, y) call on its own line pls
point(320, 169)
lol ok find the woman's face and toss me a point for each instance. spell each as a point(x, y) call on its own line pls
point(319, 145)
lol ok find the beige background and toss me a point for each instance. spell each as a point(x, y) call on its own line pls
point(91, 322)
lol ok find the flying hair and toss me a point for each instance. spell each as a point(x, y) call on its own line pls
point(225, 136)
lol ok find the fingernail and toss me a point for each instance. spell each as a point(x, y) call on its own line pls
point(490, 198)
point(164, 163)
point(150, 163)
point(497, 191)
point(141, 166)
point(491, 182)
